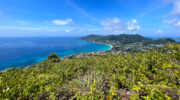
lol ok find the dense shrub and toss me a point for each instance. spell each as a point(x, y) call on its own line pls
point(153, 75)
point(53, 57)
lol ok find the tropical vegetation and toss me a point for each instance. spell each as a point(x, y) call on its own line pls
point(150, 75)
point(124, 43)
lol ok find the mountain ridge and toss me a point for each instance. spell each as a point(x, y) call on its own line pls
point(127, 39)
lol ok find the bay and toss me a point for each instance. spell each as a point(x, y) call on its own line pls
point(25, 51)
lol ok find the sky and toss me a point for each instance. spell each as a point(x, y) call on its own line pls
point(151, 18)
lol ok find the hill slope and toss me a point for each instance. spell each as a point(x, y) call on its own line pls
point(127, 39)
point(129, 43)
point(151, 75)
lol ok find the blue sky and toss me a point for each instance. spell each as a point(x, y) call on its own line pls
point(157, 18)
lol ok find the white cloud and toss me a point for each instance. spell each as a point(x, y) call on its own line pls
point(132, 25)
point(62, 22)
point(159, 31)
point(67, 31)
point(175, 12)
point(176, 6)
point(115, 25)
point(174, 22)
point(170, 21)
point(19, 28)
point(23, 28)
point(22, 22)
point(177, 24)
point(111, 21)
point(176, 9)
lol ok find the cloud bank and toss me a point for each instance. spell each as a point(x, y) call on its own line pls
point(176, 8)
point(62, 22)
point(133, 26)
point(116, 26)
point(175, 12)
point(174, 22)
point(22, 22)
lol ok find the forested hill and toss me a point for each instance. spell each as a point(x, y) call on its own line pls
point(127, 39)
point(152, 75)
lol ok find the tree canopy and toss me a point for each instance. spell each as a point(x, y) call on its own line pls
point(53, 57)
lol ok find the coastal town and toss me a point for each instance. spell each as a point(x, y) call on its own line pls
point(119, 48)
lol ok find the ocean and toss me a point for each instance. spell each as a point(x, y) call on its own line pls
point(25, 51)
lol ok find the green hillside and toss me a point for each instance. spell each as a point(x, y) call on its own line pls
point(124, 43)
point(123, 38)
point(127, 39)
point(152, 75)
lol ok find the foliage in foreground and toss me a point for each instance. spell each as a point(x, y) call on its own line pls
point(153, 75)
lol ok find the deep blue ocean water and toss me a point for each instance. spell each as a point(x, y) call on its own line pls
point(24, 51)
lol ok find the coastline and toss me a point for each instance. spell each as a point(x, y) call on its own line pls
point(104, 44)
point(67, 55)
point(93, 52)
point(90, 51)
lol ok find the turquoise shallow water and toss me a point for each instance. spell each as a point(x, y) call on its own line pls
point(23, 51)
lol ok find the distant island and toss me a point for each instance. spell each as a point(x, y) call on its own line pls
point(127, 39)
point(123, 43)
point(129, 43)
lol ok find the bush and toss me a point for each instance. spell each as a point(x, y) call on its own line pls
point(152, 75)
point(54, 57)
